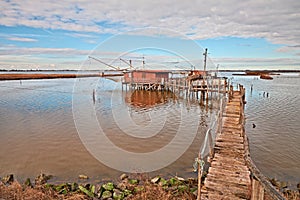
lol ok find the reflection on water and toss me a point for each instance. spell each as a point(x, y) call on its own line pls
point(147, 99)
point(38, 134)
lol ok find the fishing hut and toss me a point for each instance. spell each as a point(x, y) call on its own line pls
point(146, 79)
point(196, 83)
point(191, 82)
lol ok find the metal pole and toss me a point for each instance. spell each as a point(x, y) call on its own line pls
point(205, 57)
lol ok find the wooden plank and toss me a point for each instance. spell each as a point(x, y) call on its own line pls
point(230, 145)
point(226, 189)
point(257, 191)
point(230, 138)
point(220, 172)
point(215, 196)
point(229, 178)
point(234, 169)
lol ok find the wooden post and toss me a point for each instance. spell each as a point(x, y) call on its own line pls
point(94, 96)
point(199, 176)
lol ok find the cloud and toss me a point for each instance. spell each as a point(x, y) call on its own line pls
point(277, 21)
point(14, 50)
point(290, 48)
point(263, 62)
point(19, 39)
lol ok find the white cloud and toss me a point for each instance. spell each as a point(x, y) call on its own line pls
point(275, 20)
point(13, 50)
point(19, 39)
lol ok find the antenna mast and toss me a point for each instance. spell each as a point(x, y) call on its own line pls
point(205, 57)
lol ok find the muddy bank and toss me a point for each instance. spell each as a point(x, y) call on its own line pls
point(23, 76)
point(137, 187)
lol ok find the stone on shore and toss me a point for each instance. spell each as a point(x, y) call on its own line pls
point(42, 179)
point(28, 182)
point(123, 177)
point(155, 180)
point(108, 186)
point(106, 195)
point(8, 179)
point(82, 176)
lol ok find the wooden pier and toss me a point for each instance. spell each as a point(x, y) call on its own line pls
point(232, 174)
point(198, 85)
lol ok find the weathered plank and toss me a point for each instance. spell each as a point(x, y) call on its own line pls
point(228, 176)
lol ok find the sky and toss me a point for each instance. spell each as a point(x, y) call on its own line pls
point(257, 34)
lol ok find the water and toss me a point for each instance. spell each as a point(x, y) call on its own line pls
point(274, 108)
point(38, 132)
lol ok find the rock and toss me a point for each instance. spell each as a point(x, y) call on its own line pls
point(99, 190)
point(87, 186)
point(28, 182)
point(139, 189)
point(283, 184)
point(123, 177)
point(82, 176)
point(275, 182)
point(118, 195)
point(108, 186)
point(60, 188)
point(63, 191)
point(192, 181)
point(174, 181)
point(163, 182)
point(155, 180)
point(8, 179)
point(48, 186)
point(122, 186)
point(42, 179)
point(127, 192)
point(179, 178)
point(298, 186)
point(172, 188)
point(133, 181)
point(93, 189)
point(287, 192)
point(106, 195)
point(74, 187)
point(86, 191)
point(182, 188)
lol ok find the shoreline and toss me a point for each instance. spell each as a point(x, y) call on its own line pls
point(135, 186)
point(23, 76)
point(126, 187)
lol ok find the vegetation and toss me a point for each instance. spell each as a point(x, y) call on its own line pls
point(131, 189)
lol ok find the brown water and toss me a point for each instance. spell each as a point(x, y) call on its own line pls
point(38, 132)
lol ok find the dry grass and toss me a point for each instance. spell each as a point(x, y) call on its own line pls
point(15, 191)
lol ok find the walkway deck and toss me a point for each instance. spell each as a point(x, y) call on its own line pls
point(228, 176)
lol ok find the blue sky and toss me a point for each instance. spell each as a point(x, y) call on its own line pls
point(62, 34)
